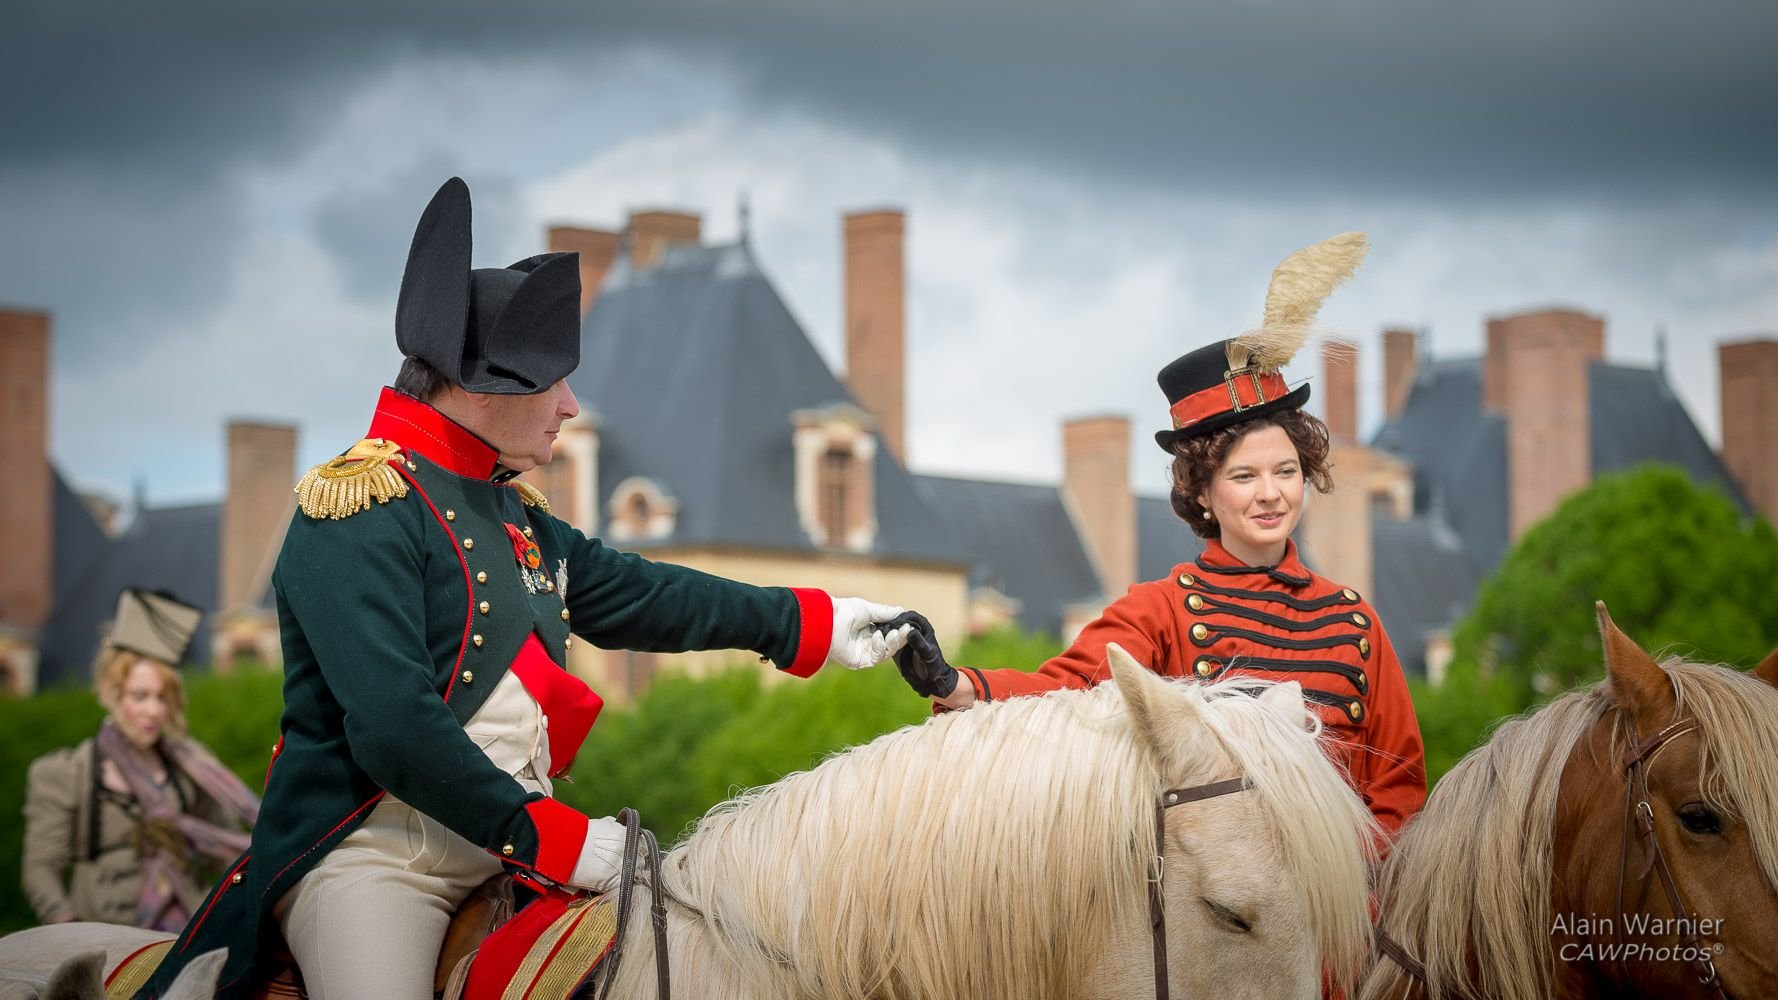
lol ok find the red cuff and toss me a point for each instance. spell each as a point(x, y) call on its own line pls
point(815, 609)
point(561, 830)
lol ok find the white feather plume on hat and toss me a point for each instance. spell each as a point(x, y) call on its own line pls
point(1299, 285)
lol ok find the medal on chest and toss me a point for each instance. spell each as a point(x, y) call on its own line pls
point(530, 559)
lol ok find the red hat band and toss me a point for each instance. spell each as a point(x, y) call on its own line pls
point(1241, 389)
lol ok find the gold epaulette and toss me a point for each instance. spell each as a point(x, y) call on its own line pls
point(346, 485)
point(532, 496)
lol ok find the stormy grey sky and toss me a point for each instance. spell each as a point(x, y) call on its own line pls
point(214, 199)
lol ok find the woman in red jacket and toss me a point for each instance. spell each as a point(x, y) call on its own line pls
point(1243, 454)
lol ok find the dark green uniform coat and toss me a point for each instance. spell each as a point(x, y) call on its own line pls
point(398, 620)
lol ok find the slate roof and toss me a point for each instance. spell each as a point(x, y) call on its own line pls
point(1019, 540)
point(694, 368)
point(177, 549)
point(1422, 580)
point(1459, 452)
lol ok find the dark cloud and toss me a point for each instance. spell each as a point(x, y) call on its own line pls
point(1512, 96)
point(366, 223)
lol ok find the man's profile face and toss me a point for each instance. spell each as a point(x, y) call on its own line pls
point(522, 428)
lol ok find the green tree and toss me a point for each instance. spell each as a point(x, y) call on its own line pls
point(1681, 568)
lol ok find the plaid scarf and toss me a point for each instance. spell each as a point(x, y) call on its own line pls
point(170, 841)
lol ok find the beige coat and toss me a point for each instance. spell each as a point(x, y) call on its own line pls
point(59, 797)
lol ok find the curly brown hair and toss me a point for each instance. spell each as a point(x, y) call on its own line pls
point(1195, 461)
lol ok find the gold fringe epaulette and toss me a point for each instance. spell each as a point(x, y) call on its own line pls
point(346, 485)
point(532, 496)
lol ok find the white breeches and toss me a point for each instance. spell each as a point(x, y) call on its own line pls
point(369, 920)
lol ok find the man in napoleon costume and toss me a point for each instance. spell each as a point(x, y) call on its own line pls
point(427, 601)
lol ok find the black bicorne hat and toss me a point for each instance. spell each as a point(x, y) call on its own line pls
point(1240, 378)
point(512, 330)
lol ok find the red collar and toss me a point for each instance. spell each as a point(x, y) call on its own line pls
point(1218, 558)
point(423, 430)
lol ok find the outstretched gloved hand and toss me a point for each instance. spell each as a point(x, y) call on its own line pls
point(857, 642)
point(601, 856)
point(921, 662)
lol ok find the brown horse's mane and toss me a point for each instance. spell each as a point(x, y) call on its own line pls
point(1467, 887)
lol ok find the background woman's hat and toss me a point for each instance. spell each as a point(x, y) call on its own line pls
point(155, 624)
point(512, 330)
point(1239, 379)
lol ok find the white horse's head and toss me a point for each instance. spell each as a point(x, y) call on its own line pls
point(1265, 888)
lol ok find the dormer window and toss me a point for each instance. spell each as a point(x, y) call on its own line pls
point(836, 447)
point(640, 511)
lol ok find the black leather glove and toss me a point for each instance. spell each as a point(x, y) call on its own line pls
point(921, 662)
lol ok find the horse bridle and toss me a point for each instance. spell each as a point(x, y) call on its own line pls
point(1636, 805)
point(1157, 910)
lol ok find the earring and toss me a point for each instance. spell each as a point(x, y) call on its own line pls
point(1206, 513)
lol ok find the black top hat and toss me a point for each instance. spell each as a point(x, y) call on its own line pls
point(512, 330)
point(1239, 378)
point(1205, 394)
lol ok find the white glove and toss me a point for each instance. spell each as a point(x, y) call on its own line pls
point(856, 642)
point(601, 856)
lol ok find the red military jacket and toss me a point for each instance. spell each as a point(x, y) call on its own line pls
point(1220, 617)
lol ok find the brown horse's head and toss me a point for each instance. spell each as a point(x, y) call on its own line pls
point(1704, 739)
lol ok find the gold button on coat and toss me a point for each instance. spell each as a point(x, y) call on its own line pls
point(1199, 632)
point(450, 515)
point(1364, 646)
point(564, 614)
point(1350, 595)
point(506, 850)
point(1360, 620)
point(484, 607)
point(1195, 602)
point(528, 531)
point(468, 543)
point(237, 878)
point(1204, 668)
point(1356, 710)
point(1186, 580)
point(477, 639)
point(482, 577)
point(568, 643)
point(469, 677)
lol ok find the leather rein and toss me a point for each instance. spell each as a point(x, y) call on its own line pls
point(1638, 809)
point(1157, 911)
point(638, 843)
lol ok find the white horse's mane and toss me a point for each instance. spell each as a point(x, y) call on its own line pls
point(875, 874)
point(1469, 881)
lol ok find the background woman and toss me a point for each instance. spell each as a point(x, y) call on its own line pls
point(1243, 452)
point(132, 825)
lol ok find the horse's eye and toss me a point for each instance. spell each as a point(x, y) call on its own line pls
point(1229, 917)
point(1700, 818)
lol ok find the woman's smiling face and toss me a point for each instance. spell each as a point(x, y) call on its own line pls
point(1257, 496)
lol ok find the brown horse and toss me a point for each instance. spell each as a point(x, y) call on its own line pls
point(1622, 841)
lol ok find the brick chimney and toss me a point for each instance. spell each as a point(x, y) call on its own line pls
point(652, 232)
point(597, 249)
point(1536, 376)
point(1339, 385)
point(1401, 365)
point(1096, 492)
point(261, 473)
point(876, 328)
point(27, 526)
point(1749, 373)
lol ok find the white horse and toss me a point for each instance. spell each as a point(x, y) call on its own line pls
point(1007, 852)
